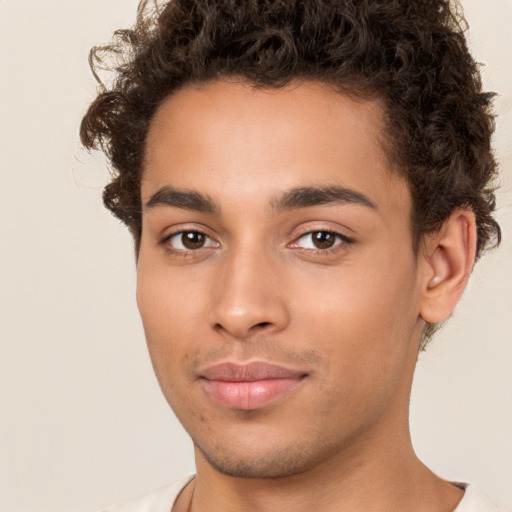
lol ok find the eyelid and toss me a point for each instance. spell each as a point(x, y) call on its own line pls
point(212, 243)
point(165, 240)
point(343, 239)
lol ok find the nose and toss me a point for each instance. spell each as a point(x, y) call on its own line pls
point(250, 297)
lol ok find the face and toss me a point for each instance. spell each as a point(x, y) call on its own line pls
point(276, 279)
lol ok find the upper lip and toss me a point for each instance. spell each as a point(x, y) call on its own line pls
point(249, 372)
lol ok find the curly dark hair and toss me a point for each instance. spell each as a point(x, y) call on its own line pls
point(410, 54)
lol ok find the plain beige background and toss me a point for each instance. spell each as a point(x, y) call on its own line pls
point(82, 421)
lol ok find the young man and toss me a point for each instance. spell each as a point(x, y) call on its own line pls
point(308, 185)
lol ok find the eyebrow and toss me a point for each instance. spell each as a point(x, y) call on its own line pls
point(293, 199)
point(305, 197)
point(186, 199)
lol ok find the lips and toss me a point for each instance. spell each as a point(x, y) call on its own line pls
point(248, 386)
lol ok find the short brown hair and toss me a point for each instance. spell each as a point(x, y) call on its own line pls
point(412, 54)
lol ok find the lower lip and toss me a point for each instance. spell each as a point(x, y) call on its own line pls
point(249, 395)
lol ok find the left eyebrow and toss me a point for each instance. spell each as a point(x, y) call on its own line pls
point(305, 197)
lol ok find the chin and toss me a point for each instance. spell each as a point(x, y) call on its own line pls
point(273, 463)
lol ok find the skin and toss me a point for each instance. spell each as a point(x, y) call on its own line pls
point(348, 317)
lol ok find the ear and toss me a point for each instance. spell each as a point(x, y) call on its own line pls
point(448, 259)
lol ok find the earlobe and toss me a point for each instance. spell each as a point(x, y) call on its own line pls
point(448, 256)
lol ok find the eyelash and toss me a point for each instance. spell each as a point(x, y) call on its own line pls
point(165, 242)
point(343, 240)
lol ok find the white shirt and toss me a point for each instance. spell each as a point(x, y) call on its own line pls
point(162, 500)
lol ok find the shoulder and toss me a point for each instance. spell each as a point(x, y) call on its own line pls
point(160, 500)
point(476, 501)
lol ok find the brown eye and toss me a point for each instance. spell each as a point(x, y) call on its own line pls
point(192, 239)
point(323, 239)
point(189, 241)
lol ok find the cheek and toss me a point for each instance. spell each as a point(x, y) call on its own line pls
point(367, 349)
point(169, 299)
point(363, 316)
point(169, 311)
point(354, 300)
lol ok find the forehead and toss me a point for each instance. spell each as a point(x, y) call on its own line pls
point(234, 140)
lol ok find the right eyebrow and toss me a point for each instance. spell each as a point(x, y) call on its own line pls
point(185, 199)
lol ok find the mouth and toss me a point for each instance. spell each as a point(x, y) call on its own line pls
point(248, 386)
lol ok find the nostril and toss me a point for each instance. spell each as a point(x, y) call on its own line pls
point(262, 325)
